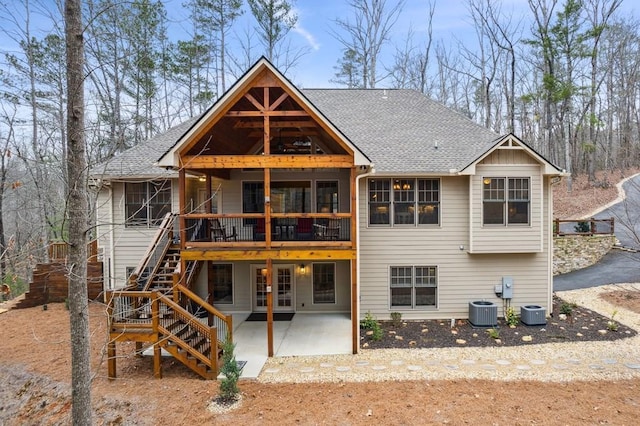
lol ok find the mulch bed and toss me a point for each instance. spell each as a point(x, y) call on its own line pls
point(582, 325)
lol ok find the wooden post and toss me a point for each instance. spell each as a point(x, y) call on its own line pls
point(269, 307)
point(155, 322)
point(556, 228)
point(111, 359)
point(213, 352)
point(111, 345)
point(355, 323)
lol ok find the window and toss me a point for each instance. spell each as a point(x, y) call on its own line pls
point(324, 283)
point(221, 283)
point(415, 201)
point(404, 201)
point(505, 201)
point(413, 287)
point(146, 203)
point(379, 201)
point(291, 197)
point(327, 197)
point(286, 197)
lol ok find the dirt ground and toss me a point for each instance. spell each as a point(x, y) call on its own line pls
point(35, 378)
point(35, 382)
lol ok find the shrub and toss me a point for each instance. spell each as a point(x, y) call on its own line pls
point(582, 227)
point(511, 317)
point(567, 308)
point(396, 318)
point(494, 333)
point(370, 323)
point(229, 384)
point(612, 325)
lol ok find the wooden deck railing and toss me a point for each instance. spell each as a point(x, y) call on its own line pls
point(243, 230)
point(590, 226)
point(149, 316)
point(59, 251)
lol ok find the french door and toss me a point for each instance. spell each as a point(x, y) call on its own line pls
point(283, 288)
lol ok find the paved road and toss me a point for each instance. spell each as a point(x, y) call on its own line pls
point(617, 266)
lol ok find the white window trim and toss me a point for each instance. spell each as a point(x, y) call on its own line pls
point(413, 307)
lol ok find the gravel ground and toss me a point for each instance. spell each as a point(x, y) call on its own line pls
point(556, 362)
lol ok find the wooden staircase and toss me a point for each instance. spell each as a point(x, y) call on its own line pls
point(157, 310)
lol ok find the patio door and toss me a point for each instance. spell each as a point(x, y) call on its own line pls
point(283, 288)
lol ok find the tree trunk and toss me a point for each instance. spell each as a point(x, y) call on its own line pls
point(78, 219)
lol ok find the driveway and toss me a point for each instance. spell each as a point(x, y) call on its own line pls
point(617, 266)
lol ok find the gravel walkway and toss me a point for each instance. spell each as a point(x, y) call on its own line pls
point(554, 362)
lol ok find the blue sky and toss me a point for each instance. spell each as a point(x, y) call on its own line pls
point(316, 18)
point(451, 22)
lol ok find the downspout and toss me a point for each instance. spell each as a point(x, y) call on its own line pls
point(357, 295)
point(112, 238)
point(553, 181)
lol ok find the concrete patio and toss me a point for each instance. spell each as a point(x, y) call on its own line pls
point(306, 334)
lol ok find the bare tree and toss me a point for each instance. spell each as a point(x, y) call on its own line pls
point(411, 62)
point(275, 19)
point(599, 13)
point(367, 33)
point(78, 218)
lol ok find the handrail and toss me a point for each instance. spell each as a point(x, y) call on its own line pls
point(151, 312)
point(590, 227)
point(180, 312)
point(223, 323)
point(59, 251)
point(226, 321)
point(156, 249)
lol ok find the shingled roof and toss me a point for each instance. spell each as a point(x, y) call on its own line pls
point(139, 161)
point(403, 131)
point(400, 131)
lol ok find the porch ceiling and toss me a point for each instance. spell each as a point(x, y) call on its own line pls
point(240, 131)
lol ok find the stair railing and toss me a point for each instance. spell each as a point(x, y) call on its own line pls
point(185, 297)
point(184, 316)
point(156, 251)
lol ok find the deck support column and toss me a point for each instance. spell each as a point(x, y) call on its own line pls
point(355, 323)
point(269, 308)
point(111, 359)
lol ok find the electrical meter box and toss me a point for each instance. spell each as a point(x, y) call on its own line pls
point(507, 287)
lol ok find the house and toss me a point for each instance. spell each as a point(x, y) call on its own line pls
point(279, 199)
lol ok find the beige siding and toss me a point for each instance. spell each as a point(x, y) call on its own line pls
point(243, 288)
point(508, 156)
point(129, 243)
point(462, 277)
point(512, 238)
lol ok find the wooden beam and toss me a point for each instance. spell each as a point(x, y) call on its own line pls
point(275, 124)
point(279, 254)
point(288, 133)
point(269, 308)
point(355, 320)
point(294, 113)
point(278, 161)
point(255, 103)
point(278, 101)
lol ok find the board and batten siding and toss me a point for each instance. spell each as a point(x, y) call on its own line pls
point(507, 238)
point(462, 277)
